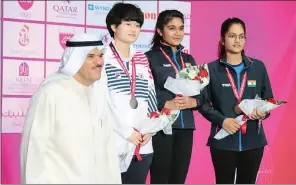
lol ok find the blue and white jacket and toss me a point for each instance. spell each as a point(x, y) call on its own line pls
point(119, 90)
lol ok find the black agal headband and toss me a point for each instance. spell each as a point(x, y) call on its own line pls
point(83, 43)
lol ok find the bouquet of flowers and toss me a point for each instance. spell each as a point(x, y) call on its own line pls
point(247, 106)
point(154, 122)
point(189, 81)
point(165, 113)
point(163, 118)
point(269, 104)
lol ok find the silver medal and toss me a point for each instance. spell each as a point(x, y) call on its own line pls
point(133, 103)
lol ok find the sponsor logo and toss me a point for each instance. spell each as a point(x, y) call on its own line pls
point(65, 10)
point(141, 46)
point(25, 45)
point(24, 75)
point(64, 37)
point(11, 114)
point(24, 69)
point(24, 83)
point(13, 118)
point(100, 8)
point(150, 15)
point(24, 36)
point(26, 4)
point(225, 85)
point(167, 65)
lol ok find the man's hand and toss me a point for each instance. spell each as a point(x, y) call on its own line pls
point(256, 114)
point(185, 102)
point(135, 138)
point(146, 138)
point(230, 125)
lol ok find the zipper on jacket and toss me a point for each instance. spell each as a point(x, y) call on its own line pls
point(240, 145)
point(179, 69)
point(240, 132)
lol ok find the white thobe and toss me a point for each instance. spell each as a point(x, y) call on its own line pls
point(65, 140)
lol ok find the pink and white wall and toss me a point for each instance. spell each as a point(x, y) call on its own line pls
point(33, 35)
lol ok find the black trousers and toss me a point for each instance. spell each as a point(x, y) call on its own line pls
point(171, 157)
point(246, 164)
point(137, 171)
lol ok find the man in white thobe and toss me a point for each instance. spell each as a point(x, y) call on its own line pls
point(67, 136)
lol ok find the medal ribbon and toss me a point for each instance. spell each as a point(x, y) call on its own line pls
point(133, 79)
point(137, 150)
point(239, 95)
point(172, 63)
point(133, 87)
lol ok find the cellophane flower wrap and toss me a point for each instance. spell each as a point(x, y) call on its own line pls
point(247, 106)
point(190, 81)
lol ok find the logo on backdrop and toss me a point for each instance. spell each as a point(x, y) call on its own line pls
point(150, 15)
point(24, 83)
point(12, 115)
point(13, 118)
point(64, 36)
point(99, 8)
point(24, 69)
point(142, 47)
point(65, 10)
point(24, 76)
point(26, 4)
point(24, 36)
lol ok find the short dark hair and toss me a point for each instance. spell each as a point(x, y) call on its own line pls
point(164, 18)
point(123, 12)
point(224, 29)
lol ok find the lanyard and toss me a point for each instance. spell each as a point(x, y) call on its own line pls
point(237, 95)
point(172, 63)
point(119, 60)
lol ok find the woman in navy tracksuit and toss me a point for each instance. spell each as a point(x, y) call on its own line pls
point(172, 153)
point(238, 151)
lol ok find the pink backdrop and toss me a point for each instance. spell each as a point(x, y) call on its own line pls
point(271, 37)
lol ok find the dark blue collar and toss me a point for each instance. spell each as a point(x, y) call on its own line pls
point(169, 49)
point(246, 60)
